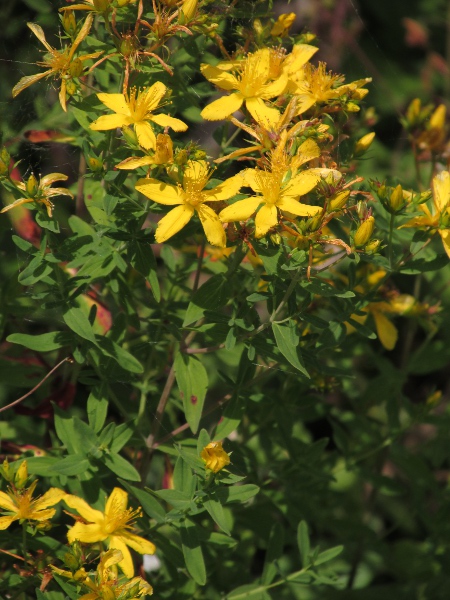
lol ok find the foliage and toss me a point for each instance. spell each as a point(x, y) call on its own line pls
point(229, 353)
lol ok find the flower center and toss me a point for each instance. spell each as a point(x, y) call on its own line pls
point(118, 519)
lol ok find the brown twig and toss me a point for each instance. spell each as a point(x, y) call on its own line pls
point(36, 387)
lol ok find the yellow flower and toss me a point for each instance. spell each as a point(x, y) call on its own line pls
point(364, 232)
point(215, 457)
point(59, 63)
point(115, 526)
point(99, 6)
point(273, 196)
point(105, 585)
point(21, 506)
point(40, 192)
point(163, 155)
point(439, 219)
point(136, 109)
point(283, 24)
point(251, 83)
point(190, 198)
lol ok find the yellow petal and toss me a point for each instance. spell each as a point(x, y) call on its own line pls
point(81, 35)
point(265, 116)
point(145, 135)
point(41, 515)
point(222, 108)
point(297, 208)
point(16, 203)
point(441, 190)
point(173, 222)
point(240, 152)
point(50, 498)
point(299, 56)
point(52, 178)
point(27, 81)
point(83, 508)
point(304, 102)
point(5, 522)
point(167, 121)
point(307, 151)
point(107, 122)
point(153, 95)
point(7, 503)
point(138, 543)
point(266, 218)
point(163, 193)
point(88, 534)
point(301, 184)
point(39, 33)
point(117, 501)
point(445, 235)
point(274, 88)
point(219, 77)
point(115, 102)
point(126, 564)
point(241, 210)
point(135, 163)
point(259, 64)
point(196, 174)
point(386, 330)
point(254, 178)
point(58, 192)
point(212, 226)
point(227, 189)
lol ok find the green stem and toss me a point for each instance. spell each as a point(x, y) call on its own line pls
point(24, 540)
point(391, 235)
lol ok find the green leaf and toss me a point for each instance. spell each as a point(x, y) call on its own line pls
point(287, 341)
point(143, 260)
point(255, 591)
point(232, 416)
point(241, 493)
point(46, 342)
point(421, 265)
point(97, 408)
point(192, 552)
point(72, 465)
point(303, 543)
point(148, 502)
point(121, 467)
point(271, 256)
point(274, 551)
point(122, 433)
point(202, 440)
point(192, 380)
point(36, 270)
point(328, 555)
point(183, 480)
point(78, 322)
point(213, 294)
point(215, 510)
point(126, 360)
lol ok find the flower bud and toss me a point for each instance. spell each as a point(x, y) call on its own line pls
point(351, 107)
point(434, 398)
point(258, 27)
point(314, 223)
point(198, 155)
point(364, 232)
point(69, 22)
point(187, 11)
point(130, 136)
point(5, 470)
point(76, 67)
point(413, 112)
point(181, 157)
point(275, 238)
point(364, 143)
point(164, 149)
point(372, 247)
point(95, 164)
point(126, 47)
point(71, 87)
point(21, 476)
point(396, 200)
point(32, 186)
point(437, 119)
point(215, 457)
point(283, 24)
point(101, 5)
point(338, 201)
point(5, 160)
point(361, 209)
point(43, 526)
point(122, 3)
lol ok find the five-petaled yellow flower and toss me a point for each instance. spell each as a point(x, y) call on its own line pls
point(252, 84)
point(215, 457)
point(136, 109)
point(105, 584)
point(190, 198)
point(440, 218)
point(59, 63)
point(274, 197)
point(20, 505)
point(115, 526)
point(40, 192)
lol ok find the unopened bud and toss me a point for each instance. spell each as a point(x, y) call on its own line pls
point(6, 471)
point(101, 5)
point(434, 398)
point(187, 11)
point(338, 201)
point(5, 160)
point(314, 223)
point(275, 238)
point(71, 87)
point(258, 27)
point(130, 136)
point(364, 232)
point(361, 210)
point(122, 3)
point(351, 107)
point(413, 111)
point(126, 47)
point(31, 186)
point(364, 143)
point(95, 164)
point(43, 526)
point(76, 67)
point(181, 157)
point(372, 247)
point(396, 200)
point(69, 22)
point(437, 119)
point(198, 155)
point(21, 476)
point(283, 24)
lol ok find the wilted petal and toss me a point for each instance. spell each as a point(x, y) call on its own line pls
point(222, 108)
point(16, 203)
point(115, 102)
point(240, 152)
point(297, 208)
point(52, 178)
point(266, 218)
point(163, 193)
point(81, 35)
point(212, 226)
point(167, 121)
point(135, 163)
point(39, 33)
point(107, 122)
point(83, 508)
point(27, 81)
point(241, 210)
point(145, 135)
point(173, 222)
